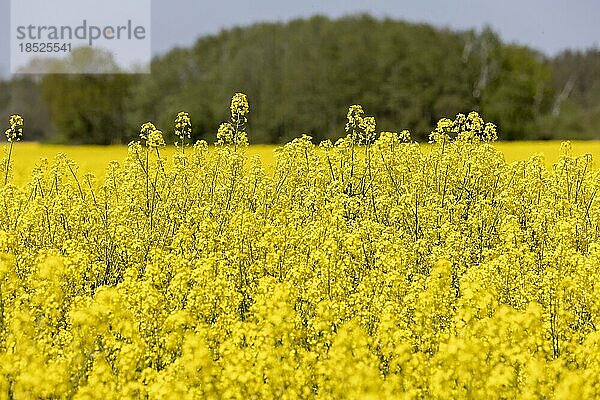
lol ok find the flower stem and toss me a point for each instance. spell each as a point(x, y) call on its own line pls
point(8, 163)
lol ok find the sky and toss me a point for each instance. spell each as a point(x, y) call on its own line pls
point(547, 25)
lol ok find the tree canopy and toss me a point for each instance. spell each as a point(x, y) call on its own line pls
point(302, 75)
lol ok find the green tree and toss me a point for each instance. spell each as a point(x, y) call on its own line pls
point(87, 108)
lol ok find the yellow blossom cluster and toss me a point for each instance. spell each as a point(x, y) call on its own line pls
point(183, 126)
point(232, 133)
point(360, 269)
point(15, 132)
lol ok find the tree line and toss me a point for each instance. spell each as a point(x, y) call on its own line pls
point(301, 76)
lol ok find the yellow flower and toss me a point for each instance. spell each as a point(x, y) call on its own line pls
point(239, 106)
point(146, 130)
point(155, 139)
point(15, 132)
point(183, 126)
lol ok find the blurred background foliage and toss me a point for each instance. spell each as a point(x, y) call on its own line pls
point(301, 76)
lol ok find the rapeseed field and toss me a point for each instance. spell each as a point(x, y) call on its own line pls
point(370, 267)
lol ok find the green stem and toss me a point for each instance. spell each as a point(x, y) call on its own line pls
point(8, 163)
point(147, 181)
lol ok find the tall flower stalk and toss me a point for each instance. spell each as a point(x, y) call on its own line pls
point(13, 134)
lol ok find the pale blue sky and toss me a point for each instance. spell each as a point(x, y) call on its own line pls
point(547, 25)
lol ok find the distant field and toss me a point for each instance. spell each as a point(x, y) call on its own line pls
point(95, 158)
point(92, 159)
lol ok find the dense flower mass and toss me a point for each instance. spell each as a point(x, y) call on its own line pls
point(365, 268)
